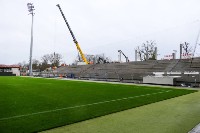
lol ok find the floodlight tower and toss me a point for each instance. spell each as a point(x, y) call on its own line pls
point(31, 9)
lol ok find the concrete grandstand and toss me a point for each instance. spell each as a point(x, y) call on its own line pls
point(186, 69)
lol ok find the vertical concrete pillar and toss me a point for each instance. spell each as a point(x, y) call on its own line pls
point(174, 55)
point(135, 55)
point(156, 53)
point(181, 47)
point(119, 57)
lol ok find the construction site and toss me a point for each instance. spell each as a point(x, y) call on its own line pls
point(134, 67)
point(181, 69)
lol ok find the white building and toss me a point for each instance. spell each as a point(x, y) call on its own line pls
point(9, 70)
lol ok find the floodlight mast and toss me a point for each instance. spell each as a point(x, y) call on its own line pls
point(31, 9)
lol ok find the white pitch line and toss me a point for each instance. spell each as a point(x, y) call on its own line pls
point(48, 111)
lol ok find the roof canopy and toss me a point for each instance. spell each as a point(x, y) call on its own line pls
point(9, 66)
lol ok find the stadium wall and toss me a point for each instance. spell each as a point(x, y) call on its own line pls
point(162, 80)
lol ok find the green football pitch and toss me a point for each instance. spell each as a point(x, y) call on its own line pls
point(36, 104)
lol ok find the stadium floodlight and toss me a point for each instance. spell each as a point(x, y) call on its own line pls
point(31, 9)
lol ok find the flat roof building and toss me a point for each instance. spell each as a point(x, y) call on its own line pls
point(9, 70)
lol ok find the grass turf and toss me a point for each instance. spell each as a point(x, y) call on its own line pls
point(176, 115)
point(30, 105)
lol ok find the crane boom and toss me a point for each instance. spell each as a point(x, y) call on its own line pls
point(72, 34)
point(120, 52)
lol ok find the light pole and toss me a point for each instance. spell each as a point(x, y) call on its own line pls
point(31, 9)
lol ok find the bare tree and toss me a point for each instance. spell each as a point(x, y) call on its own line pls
point(45, 62)
point(36, 64)
point(24, 66)
point(45, 59)
point(147, 51)
point(186, 47)
point(55, 59)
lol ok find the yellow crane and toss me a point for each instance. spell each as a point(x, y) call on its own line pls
point(74, 39)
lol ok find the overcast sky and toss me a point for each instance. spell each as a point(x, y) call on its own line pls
point(100, 26)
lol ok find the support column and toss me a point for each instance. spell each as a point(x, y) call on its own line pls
point(135, 55)
point(181, 47)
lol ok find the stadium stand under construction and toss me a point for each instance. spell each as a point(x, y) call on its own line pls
point(184, 71)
